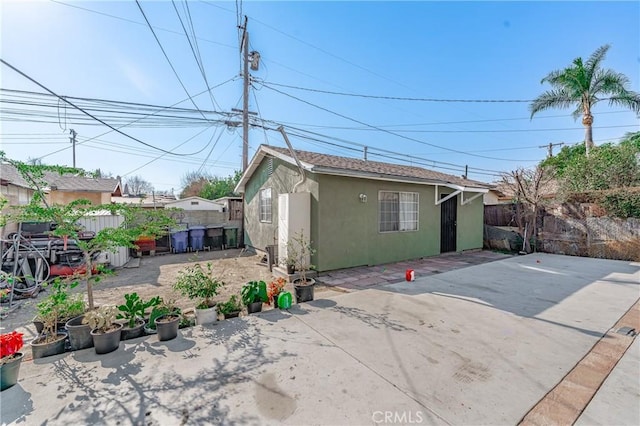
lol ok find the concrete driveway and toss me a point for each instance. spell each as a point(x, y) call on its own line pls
point(480, 345)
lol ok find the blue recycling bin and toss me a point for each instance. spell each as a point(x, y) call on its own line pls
point(196, 237)
point(179, 241)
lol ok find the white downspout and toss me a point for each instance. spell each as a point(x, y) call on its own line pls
point(295, 157)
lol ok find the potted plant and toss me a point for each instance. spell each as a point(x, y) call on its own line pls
point(133, 311)
point(105, 330)
point(51, 341)
point(254, 294)
point(197, 282)
point(168, 322)
point(274, 289)
point(137, 221)
point(301, 250)
point(231, 308)
point(10, 358)
point(68, 306)
point(290, 264)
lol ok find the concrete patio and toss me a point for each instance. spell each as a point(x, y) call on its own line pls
point(477, 345)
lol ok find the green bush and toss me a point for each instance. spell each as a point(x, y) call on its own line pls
point(622, 204)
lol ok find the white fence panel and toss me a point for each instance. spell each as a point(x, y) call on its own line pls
point(97, 223)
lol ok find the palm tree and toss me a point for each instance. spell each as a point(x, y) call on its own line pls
point(582, 85)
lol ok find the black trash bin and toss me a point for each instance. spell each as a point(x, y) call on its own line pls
point(230, 237)
point(213, 238)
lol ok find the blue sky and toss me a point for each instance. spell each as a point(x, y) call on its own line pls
point(448, 50)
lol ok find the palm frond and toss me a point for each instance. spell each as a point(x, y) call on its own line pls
point(593, 63)
point(630, 100)
point(552, 99)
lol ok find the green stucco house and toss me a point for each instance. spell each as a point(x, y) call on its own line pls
point(357, 212)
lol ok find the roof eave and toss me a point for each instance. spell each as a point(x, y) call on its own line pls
point(393, 178)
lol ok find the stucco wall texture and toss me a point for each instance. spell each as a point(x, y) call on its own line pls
point(344, 230)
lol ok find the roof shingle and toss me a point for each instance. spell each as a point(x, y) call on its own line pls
point(61, 182)
point(328, 163)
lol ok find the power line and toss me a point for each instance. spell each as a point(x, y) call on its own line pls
point(195, 55)
point(85, 112)
point(384, 130)
point(167, 58)
point(444, 122)
point(399, 98)
point(136, 22)
point(177, 146)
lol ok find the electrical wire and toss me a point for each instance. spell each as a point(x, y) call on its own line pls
point(167, 58)
point(135, 22)
point(195, 55)
point(87, 113)
point(177, 146)
point(399, 98)
point(384, 130)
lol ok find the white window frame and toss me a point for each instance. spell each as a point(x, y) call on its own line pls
point(408, 213)
point(265, 208)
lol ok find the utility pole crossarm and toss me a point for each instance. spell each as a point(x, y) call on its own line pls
point(550, 148)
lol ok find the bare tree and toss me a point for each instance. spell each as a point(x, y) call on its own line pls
point(530, 188)
point(138, 186)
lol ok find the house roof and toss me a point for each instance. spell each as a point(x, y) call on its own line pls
point(343, 166)
point(195, 198)
point(64, 183)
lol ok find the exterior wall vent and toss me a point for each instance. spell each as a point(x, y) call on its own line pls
point(270, 166)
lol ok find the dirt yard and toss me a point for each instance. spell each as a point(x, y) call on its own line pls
point(154, 276)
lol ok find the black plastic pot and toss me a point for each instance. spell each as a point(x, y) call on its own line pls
point(304, 292)
point(41, 350)
point(132, 333)
point(233, 314)
point(291, 269)
point(10, 371)
point(167, 327)
point(104, 343)
point(254, 307)
point(79, 334)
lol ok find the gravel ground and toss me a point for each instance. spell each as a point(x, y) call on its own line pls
point(154, 277)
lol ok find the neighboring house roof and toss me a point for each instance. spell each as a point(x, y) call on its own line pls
point(64, 183)
point(194, 198)
point(343, 166)
point(222, 199)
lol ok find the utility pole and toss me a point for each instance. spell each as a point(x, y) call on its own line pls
point(366, 149)
point(73, 141)
point(550, 148)
point(245, 97)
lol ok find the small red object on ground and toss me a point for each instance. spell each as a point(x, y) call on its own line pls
point(410, 275)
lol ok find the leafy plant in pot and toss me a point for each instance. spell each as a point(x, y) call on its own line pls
point(300, 249)
point(10, 358)
point(231, 308)
point(168, 322)
point(105, 330)
point(51, 341)
point(68, 306)
point(133, 311)
point(254, 294)
point(198, 282)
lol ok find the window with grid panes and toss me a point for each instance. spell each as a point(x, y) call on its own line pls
point(265, 205)
point(397, 211)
